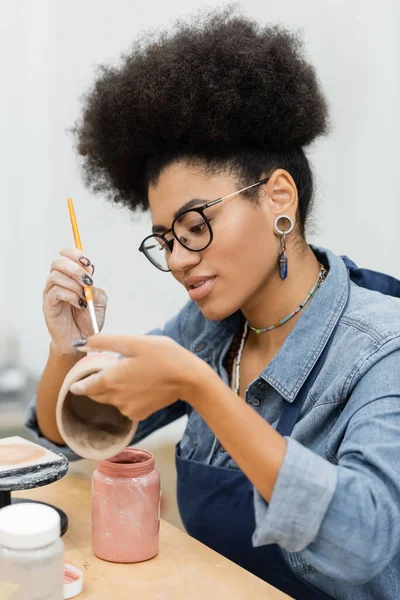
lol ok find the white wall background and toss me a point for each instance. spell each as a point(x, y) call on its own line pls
point(48, 52)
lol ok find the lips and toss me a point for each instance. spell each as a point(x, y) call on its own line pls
point(196, 280)
point(199, 287)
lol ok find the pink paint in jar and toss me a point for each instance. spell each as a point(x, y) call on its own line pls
point(126, 507)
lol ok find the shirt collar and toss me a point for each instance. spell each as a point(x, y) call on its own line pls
point(290, 368)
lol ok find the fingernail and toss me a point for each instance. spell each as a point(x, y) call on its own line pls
point(84, 261)
point(93, 270)
point(82, 303)
point(87, 280)
point(78, 343)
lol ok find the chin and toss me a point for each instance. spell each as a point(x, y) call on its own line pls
point(217, 311)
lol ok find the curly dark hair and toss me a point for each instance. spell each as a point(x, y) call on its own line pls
point(219, 91)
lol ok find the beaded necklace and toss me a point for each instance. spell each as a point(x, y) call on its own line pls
point(235, 374)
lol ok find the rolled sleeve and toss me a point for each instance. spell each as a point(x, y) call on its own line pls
point(304, 488)
point(344, 518)
point(32, 426)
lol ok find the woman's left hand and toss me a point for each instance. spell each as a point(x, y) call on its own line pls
point(154, 372)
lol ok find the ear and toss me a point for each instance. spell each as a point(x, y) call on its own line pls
point(282, 194)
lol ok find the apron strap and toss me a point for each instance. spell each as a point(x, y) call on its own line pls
point(373, 280)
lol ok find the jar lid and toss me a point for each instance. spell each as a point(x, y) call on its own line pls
point(73, 581)
point(28, 526)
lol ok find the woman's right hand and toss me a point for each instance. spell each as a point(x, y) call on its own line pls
point(64, 305)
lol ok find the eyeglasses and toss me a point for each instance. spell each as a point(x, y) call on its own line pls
point(191, 229)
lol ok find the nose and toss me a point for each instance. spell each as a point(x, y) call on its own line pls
point(181, 258)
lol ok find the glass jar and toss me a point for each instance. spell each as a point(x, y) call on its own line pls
point(126, 507)
point(31, 552)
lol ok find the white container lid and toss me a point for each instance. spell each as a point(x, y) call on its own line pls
point(73, 581)
point(28, 526)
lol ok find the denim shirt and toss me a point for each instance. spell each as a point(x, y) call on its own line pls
point(335, 508)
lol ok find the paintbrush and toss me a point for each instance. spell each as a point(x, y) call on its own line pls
point(78, 244)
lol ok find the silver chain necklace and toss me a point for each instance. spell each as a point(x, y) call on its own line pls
point(236, 363)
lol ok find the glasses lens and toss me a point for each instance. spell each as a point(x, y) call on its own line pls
point(157, 252)
point(192, 231)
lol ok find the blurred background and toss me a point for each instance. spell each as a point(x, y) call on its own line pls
point(49, 51)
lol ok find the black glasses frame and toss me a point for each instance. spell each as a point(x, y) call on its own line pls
point(200, 210)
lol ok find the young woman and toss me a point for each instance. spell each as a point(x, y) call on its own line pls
point(287, 366)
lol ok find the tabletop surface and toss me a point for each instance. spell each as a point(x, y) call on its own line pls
point(183, 570)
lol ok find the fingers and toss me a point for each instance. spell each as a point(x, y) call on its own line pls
point(72, 269)
point(59, 294)
point(57, 278)
point(77, 256)
point(105, 386)
point(70, 272)
point(100, 387)
point(92, 386)
point(126, 345)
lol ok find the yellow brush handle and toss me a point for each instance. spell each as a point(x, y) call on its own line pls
point(88, 293)
point(74, 224)
point(78, 244)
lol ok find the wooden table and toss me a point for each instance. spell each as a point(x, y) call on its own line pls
point(184, 569)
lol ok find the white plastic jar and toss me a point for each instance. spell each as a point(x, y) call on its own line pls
point(31, 553)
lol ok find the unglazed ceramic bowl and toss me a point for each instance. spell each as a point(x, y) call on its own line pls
point(92, 430)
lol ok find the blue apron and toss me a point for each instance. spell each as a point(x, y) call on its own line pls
point(216, 503)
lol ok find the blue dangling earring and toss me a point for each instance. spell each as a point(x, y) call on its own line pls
point(283, 260)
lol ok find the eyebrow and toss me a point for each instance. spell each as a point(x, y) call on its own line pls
point(190, 204)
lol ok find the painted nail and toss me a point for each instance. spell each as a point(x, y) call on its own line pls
point(93, 270)
point(82, 303)
point(84, 261)
point(87, 280)
point(78, 343)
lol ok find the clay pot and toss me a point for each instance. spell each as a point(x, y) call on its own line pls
point(92, 430)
